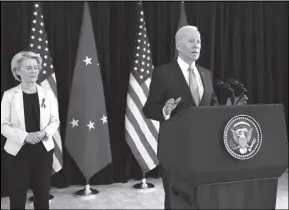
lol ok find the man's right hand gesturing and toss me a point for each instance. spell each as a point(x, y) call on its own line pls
point(170, 105)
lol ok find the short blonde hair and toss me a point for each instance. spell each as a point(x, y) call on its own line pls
point(19, 57)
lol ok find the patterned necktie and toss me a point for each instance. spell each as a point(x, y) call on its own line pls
point(194, 86)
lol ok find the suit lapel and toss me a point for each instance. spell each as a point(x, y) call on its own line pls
point(206, 83)
point(20, 106)
point(202, 74)
point(42, 104)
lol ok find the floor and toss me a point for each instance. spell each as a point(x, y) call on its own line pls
point(124, 196)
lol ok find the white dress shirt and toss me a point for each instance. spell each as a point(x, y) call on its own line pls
point(184, 67)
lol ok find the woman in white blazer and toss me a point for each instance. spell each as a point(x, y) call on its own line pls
point(29, 119)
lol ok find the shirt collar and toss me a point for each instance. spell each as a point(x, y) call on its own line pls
point(183, 65)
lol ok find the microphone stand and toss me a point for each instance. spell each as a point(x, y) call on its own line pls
point(243, 90)
point(227, 93)
point(239, 87)
point(241, 95)
point(228, 88)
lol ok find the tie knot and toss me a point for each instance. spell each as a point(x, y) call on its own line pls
point(191, 70)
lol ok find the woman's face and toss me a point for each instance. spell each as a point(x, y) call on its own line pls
point(29, 70)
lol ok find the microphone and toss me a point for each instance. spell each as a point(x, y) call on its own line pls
point(219, 84)
point(237, 85)
point(225, 88)
point(239, 88)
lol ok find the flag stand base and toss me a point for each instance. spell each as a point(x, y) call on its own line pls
point(143, 185)
point(31, 199)
point(87, 191)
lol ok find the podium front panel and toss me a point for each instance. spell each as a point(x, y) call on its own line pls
point(191, 145)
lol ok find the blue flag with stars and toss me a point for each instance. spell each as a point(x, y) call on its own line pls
point(87, 136)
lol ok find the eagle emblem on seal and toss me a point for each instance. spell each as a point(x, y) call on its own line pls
point(242, 137)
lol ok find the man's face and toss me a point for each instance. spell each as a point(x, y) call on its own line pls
point(189, 44)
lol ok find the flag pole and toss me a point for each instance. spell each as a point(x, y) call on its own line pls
point(87, 191)
point(143, 185)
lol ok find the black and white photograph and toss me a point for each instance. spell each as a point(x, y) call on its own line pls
point(144, 104)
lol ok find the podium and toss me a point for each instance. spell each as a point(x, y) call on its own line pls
point(204, 175)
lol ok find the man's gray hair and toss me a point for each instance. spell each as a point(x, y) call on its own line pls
point(179, 32)
point(19, 57)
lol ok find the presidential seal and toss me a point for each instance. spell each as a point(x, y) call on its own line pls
point(242, 137)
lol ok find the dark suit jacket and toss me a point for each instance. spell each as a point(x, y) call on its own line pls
point(168, 82)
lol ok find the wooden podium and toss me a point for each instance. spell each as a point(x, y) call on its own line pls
point(204, 175)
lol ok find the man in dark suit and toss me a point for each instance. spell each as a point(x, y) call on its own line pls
point(178, 85)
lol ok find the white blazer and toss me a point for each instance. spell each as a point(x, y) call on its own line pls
point(13, 121)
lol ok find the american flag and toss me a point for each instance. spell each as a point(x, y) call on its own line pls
point(141, 133)
point(38, 43)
